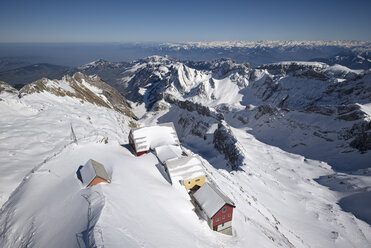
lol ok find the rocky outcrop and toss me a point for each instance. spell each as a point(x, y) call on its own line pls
point(220, 67)
point(361, 134)
point(225, 142)
point(194, 107)
point(196, 127)
point(350, 91)
point(323, 110)
point(86, 88)
point(298, 69)
point(267, 110)
point(6, 88)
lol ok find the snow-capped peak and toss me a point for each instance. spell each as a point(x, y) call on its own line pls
point(98, 63)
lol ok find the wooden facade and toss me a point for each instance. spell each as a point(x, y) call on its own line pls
point(215, 206)
point(222, 220)
point(132, 144)
point(194, 182)
point(93, 173)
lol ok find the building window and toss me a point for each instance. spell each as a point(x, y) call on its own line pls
point(224, 209)
point(229, 215)
point(189, 182)
point(217, 219)
point(197, 180)
point(223, 217)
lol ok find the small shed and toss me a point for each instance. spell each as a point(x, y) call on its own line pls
point(167, 152)
point(217, 207)
point(143, 139)
point(188, 170)
point(93, 173)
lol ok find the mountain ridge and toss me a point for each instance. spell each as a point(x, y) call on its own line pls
point(273, 138)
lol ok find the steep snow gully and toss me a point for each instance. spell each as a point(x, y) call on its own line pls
point(262, 144)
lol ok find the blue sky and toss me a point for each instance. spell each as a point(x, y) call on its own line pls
point(161, 20)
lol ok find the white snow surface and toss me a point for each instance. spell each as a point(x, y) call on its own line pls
point(184, 168)
point(167, 152)
point(278, 200)
point(155, 136)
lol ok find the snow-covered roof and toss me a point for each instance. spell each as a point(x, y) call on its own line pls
point(167, 152)
point(185, 167)
point(211, 199)
point(91, 170)
point(146, 138)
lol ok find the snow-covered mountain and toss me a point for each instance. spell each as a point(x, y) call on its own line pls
point(301, 107)
point(292, 94)
point(19, 74)
point(285, 141)
point(353, 54)
point(19, 71)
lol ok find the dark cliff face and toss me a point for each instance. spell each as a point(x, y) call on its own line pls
point(226, 143)
point(307, 70)
point(361, 132)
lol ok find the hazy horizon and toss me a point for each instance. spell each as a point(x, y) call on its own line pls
point(163, 20)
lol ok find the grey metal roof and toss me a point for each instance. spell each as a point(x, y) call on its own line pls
point(100, 171)
point(91, 170)
point(211, 199)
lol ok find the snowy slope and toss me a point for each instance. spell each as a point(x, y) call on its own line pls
point(275, 192)
point(226, 114)
point(313, 101)
point(37, 126)
point(140, 208)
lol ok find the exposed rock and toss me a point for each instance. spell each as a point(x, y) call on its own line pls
point(4, 87)
point(225, 142)
point(298, 69)
point(190, 106)
point(196, 127)
point(362, 136)
point(362, 142)
point(323, 110)
point(79, 85)
point(353, 116)
point(344, 109)
point(265, 109)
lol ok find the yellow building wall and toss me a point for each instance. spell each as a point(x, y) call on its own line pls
point(189, 184)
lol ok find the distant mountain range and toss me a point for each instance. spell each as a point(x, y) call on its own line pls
point(17, 71)
point(353, 54)
point(19, 74)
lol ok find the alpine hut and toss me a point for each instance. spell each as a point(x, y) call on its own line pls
point(167, 152)
point(188, 170)
point(143, 139)
point(93, 173)
point(217, 207)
